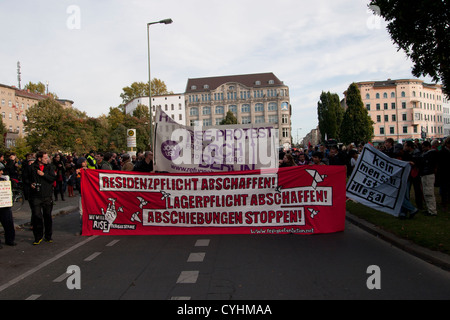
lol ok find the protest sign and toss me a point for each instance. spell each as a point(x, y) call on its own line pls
point(300, 200)
point(378, 181)
point(5, 194)
point(224, 148)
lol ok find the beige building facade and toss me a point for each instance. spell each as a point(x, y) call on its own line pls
point(13, 105)
point(404, 109)
point(252, 98)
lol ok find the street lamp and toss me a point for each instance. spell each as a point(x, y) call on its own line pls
point(165, 21)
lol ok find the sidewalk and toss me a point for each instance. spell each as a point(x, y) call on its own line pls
point(23, 216)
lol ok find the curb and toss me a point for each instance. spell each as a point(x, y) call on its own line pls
point(55, 213)
point(436, 258)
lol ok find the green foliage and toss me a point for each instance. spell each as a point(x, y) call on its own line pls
point(229, 119)
point(357, 126)
point(330, 114)
point(421, 29)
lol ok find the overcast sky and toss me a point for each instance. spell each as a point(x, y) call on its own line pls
point(89, 50)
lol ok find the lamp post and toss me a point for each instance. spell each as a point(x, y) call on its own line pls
point(165, 21)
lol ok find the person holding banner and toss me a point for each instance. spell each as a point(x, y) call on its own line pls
point(6, 216)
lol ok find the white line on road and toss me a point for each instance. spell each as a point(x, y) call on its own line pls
point(62, 277)
point(188, 277)
point(44, 264)
point(196, 257)
point(93, 256)
point(33, 297)
point(112, 243)
point(202, 243)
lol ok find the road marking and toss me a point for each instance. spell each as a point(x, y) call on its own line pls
point(196, 257)
point(62, 277)
point(188, 277)
point(202, 243)
point(112, 243)
point(33, 297)
point(44, 264)
point(180, 298)
point(93, 256)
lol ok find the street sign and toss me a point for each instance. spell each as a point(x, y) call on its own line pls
point(131, 138)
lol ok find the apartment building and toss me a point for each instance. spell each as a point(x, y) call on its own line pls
point(171, 104)
point(253, 98)
point(404, 109)
point(13, 105)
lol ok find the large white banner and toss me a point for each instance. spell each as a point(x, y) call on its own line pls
point(226, 148)
point(379, 181)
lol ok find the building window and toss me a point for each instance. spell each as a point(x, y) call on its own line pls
point(220, 110)
point(378, 118)
point(207, 122)
point(393, 105)
point(259, 107)
point(405, 129)
point(246, 120)
point(273, 119)
point(285, 133)
point(381, 130)
point(206, 111)
point(233, 109)
point(284, 119)
point(259, 119)
point(193, 112)
point(392, 130)
point(245, 108)
point(272, 107)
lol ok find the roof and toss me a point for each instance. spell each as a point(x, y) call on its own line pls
point(248, 80)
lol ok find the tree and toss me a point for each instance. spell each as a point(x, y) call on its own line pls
point(330, 114)
point(141, 112)
point(229, 119)
point(357, 126)
point(39, 88)
point(44, 125)
point(140, 89)
point(422, 29)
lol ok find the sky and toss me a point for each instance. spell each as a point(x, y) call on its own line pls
point(88, 50)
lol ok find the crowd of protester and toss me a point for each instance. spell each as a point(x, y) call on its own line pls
point(429, 161)
point(45, 178)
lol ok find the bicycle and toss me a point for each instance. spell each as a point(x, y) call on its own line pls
point(18, 198)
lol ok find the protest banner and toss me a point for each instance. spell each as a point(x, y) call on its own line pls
point(225, 148)
point(299, 200)
point(378, 181)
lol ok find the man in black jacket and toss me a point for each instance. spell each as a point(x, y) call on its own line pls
point(42, 176)
point(146, 164)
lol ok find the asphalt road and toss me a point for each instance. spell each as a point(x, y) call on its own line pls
point(216, 267)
